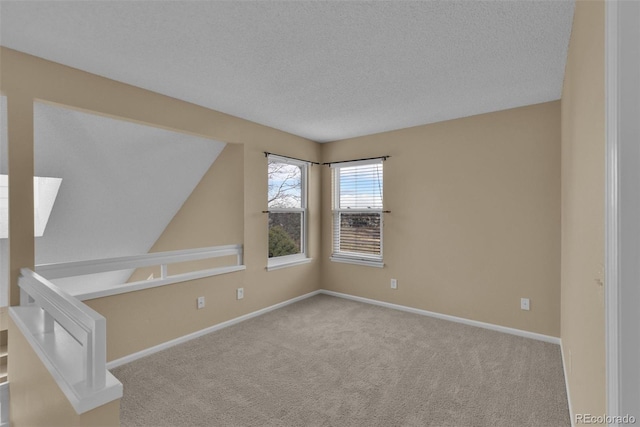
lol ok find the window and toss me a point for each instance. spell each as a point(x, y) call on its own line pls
point(45, 191)
point(287, 204)
point(357, 212)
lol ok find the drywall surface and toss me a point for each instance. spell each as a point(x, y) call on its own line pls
point(583, 161)
point(212, 215)
point(122, 183)
point(475, 218)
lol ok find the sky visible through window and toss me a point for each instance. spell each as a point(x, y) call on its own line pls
point(285, 185)
point(361, 187)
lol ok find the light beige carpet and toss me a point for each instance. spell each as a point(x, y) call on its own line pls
point(326, 361)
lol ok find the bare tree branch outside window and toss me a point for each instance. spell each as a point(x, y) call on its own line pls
point(285, 185)
point(285, 192)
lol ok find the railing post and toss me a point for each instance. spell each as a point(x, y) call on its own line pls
point(87, 360)
point(99, 351)
point(24, 297)
point(48, 322)
point(85, 325)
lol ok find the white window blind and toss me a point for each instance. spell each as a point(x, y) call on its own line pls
point(357, 213)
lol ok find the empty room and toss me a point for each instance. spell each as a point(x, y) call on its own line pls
point(318, 213)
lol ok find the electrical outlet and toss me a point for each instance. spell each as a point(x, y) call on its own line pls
point(200, 302)
point(394, 283)
point(524, 304)
point(240, 293)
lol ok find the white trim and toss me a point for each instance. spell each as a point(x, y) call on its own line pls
point(337, 210)
point(146, 352)
point(287, 210)
point(357, 261)
point(78, 268)
point(288, 160)
point(303, 209)
point(79, 322)
point(505, 329)
point(566, 384)
point(274, 265)
point(356, 163)
point(151, 350)
point(47, 347)
point(359, 210)
point(622, 228)
point(154, 283)
point(611, 209)
point(285, 259)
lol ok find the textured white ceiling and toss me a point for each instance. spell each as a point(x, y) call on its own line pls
point(122, 183)
point(322, 70)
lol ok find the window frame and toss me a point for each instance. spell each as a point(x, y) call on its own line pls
point(274, 263)
point(337, 210)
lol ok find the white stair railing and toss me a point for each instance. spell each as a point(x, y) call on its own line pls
point(70, 337)
point(85, 325)
point(162, 259)
point(79, 268)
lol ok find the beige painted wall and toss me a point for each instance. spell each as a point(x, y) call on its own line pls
point(475, 218)
point(163, 313)
point(36, 399)
point(583, 160)
point(212, 215)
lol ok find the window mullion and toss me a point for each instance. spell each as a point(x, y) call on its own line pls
point(285, 210)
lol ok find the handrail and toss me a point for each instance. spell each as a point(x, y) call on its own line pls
point(163, 259)
point(70, 337)
point(84, 324)
point(79, 268)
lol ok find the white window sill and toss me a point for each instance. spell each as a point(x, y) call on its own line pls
point(276, 265)
point(345, 260)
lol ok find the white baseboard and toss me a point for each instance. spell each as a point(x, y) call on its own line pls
point(507, 330)
point(185, 338)
point(512, 331)
point(498, 328)
point(566, 383)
